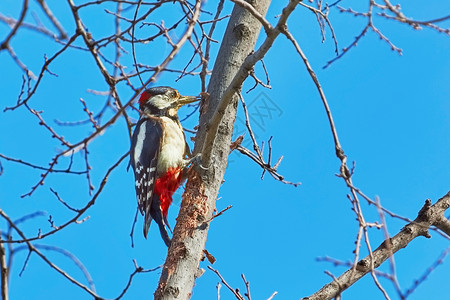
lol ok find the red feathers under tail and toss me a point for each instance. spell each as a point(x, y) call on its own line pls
point(165, 187)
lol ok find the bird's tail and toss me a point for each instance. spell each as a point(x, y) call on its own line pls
point(155, 213)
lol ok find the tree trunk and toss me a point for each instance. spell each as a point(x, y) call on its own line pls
point(189, 238)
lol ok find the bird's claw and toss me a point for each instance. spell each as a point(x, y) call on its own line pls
point(197, 161)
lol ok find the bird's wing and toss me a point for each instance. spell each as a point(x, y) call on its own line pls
point(145, 145)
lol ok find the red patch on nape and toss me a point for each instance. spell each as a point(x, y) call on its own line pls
point(166, 186)
point(144, 97)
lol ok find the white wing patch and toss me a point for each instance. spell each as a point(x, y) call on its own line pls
point(145, 185)
point(139, 144)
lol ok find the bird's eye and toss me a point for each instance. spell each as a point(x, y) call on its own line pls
point(173, 94)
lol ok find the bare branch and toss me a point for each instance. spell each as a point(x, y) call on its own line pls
point(66, 253)
point(427, 273)
point(53, 19)
point(81, 211)
point(219, 213)
point(5, 43)
point(3, 272)
point(63, 202)
point(236, 84)
point(235, 292)
point(32, 248)
point(208, 47)
point(419, 227)
point(138, 269)
point(43, 69)
point(68, 170)
point(267, 26)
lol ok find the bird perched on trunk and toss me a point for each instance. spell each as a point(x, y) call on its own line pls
point(159, 154)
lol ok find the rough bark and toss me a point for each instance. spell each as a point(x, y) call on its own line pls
point(190, 233)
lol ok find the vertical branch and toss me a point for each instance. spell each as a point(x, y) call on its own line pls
point(190, 233)
point(117, 66)
point(4, 272)
point(208, 46)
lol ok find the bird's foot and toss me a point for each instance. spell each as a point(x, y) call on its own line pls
point(197, 162)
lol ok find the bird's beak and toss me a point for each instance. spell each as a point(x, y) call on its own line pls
point(186, 100)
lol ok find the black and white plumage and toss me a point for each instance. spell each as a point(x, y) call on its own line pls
point(158, 154)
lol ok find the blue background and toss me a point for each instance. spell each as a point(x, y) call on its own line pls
point(392, 114)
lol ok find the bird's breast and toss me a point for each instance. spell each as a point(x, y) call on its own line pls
point(173, 146)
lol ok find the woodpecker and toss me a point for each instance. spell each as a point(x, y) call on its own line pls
point(159, 154)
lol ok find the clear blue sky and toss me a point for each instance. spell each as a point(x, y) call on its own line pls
point(392, 114)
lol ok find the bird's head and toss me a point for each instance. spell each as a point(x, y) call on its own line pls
point(163, 101)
